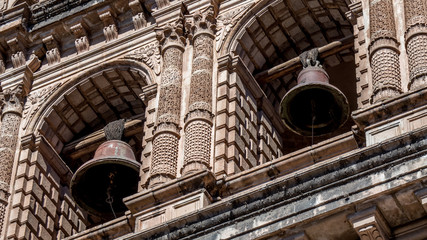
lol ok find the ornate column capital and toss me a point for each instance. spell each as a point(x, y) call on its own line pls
point(12, 100)
point(172, 34)
point(201, 22)
point(370, 225)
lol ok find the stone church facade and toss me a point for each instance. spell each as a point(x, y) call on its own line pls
point(193, 90)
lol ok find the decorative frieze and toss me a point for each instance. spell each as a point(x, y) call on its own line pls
point(52, 54)
point(82, 40)
point(416, 42)
point(110, 28)
point(166, 136)
point(138, 18)
point(198, 121)
point(384, 53)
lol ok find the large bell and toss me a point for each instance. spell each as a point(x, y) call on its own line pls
point(314, 107)
point(100, 184)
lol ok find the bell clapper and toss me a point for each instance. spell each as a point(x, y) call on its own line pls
point(109, 198)
point(313, 117)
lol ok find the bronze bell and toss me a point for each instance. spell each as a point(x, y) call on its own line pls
point(313, 107)
point(100, 184)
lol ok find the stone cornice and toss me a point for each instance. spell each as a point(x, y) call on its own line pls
point(386, 158)
point(170, 190)
point(387, 109)
point(67, 68)
point(47, 12)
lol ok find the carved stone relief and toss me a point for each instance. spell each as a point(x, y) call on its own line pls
point(110, 29)
point(35, 100)
point(149, 54)
point(52, 54)
point(138, 19)
point(226, 21)
point(82, 41)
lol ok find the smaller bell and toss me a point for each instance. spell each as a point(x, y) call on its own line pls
point(313, 107)
point(100, 184)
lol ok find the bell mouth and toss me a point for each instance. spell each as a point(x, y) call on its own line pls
point(117, 175)
point(314, 108)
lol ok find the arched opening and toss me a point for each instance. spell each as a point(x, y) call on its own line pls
point(282, 30)
point(73, 124)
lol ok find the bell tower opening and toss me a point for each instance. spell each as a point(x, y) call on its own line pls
point(75, 128)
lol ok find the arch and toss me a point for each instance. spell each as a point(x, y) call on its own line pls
point(87, 102)
point(35, 120)
point(272, 32)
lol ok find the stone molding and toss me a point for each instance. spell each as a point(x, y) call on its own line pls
point(389, 108)
point(296, 186)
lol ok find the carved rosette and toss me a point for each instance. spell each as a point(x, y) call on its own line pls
point(12, 101)
point(384, 53)
point(198, 121)
point(416, 42)
point(166, 133)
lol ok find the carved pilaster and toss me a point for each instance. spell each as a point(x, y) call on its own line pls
point(18, 52)
point(82, 40)
point(138, 19)
point(53, 55)
point(384, 53)
point(370, 225)
point(416, 42)
point(110, 28)
point(198, 121)
point(166, 136)
point(12, 101)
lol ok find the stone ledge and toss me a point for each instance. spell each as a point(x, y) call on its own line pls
point(384, 110)
point(170, 190)
point(291, 196)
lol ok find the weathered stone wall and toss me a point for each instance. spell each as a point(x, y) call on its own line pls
point(42, 206)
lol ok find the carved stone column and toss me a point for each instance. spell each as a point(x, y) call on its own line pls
point(198, 121)
point(416, 42)
point(166, 133)
point(384, 53)
point(11, 120)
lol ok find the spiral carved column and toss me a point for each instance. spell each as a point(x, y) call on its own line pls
point(166, 133)
point(198, 121)
point(384, 52)
point(11, 120)
point(416, 42)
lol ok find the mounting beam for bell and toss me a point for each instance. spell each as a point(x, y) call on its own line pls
point(313, 107)
point(100, 184)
